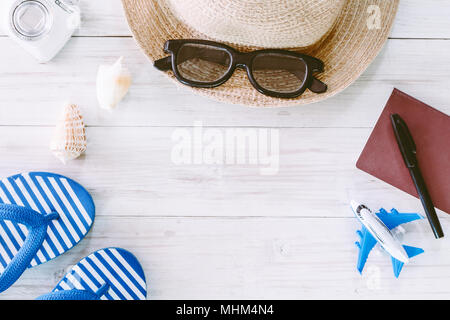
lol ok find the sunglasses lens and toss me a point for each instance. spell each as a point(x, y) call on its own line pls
point(202, 63)
point(278, 72)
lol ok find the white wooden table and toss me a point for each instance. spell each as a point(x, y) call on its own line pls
point(209, 231)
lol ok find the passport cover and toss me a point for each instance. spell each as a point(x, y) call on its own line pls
point(430, 130)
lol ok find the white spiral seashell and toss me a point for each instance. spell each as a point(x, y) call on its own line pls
point(113, 83)
point(69, 140)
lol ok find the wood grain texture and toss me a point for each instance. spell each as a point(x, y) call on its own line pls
point(33, 94)
point(129, 172)
point(261, 258)
point(226, 231)
point(422, 19)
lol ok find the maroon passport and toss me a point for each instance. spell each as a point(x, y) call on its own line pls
point(430, 129)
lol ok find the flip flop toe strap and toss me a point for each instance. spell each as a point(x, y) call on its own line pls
point(36, 224)
point(75, 294)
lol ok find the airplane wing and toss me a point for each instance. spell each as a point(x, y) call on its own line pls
point(365, 245)
point(393, 219)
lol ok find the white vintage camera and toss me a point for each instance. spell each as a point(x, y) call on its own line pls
point(41, 27)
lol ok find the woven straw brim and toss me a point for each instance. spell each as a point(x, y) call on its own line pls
point(346, 51)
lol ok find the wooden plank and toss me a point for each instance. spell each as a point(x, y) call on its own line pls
point(422, 19)
point(415, 19)
point(258, 258)
point(103, 18)
point(130, 172)
point(32, 94)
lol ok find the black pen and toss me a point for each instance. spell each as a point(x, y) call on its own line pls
point(408, 149)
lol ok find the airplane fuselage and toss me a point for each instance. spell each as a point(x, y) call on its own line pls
point(380, 232)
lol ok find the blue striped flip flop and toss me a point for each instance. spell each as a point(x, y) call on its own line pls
point(106, 274)
point(42, 215)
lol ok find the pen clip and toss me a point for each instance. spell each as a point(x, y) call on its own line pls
point(405, 141)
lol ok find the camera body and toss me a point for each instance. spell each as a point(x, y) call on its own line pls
point(41, 27)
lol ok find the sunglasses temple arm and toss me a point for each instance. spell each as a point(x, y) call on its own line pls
point(317, 86)
point(164, 64)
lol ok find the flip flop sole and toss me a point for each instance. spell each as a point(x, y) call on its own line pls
point(113, 266)
point(45, 193)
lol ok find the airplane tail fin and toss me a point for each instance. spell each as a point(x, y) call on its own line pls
point(411, 252)
point(397, 265)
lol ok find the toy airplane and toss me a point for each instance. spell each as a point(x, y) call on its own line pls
point(377, 228)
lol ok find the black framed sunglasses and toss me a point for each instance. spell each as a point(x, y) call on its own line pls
point(273, 72)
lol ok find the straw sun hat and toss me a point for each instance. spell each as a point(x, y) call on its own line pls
point(345, 34)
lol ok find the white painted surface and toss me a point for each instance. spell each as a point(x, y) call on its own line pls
point(226, 231)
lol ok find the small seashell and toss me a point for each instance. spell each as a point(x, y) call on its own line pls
point(113, 83)
point(69, 139)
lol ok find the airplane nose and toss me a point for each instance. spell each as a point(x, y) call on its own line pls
point(354, 205)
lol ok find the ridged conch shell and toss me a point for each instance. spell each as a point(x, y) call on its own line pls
point(113, 83)
point(69, 139)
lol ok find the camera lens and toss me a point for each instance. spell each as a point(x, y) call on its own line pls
point(31, 19)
